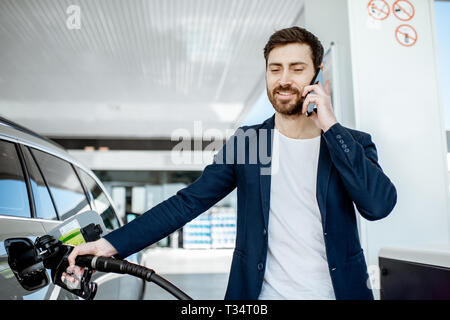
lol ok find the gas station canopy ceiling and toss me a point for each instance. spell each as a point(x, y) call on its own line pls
point(134, 68)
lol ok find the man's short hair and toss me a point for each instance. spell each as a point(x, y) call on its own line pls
point(294, 35)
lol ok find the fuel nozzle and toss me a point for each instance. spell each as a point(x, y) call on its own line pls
point(54, 254)
point(47, 246)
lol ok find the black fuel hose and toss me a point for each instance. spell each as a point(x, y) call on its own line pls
point(107, 264)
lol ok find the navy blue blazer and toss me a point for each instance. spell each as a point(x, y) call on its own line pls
point(348, 172)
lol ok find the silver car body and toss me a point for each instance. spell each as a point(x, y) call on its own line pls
point(110, 286)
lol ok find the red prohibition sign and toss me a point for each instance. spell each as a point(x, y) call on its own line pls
point(406, 35)
point(378, 9)
point(403, 10)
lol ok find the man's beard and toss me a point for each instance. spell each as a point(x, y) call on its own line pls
point(290, 108)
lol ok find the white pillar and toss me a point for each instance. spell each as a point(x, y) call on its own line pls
point(392, 91)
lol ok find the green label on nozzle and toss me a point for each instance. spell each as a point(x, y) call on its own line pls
point(73, 237)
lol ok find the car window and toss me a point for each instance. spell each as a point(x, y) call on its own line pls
point(13, 190)
point(101, 203)
point(42, 200)
point(64, 184)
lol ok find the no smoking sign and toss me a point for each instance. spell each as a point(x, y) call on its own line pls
point(403, 10)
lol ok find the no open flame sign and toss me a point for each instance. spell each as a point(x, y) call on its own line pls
point(378, 9)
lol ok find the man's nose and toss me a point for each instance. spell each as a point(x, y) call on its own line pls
point(285, 80)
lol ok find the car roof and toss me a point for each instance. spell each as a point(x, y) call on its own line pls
point(12, 131)
point(16, 133)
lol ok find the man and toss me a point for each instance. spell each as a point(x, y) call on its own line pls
point(297, 234)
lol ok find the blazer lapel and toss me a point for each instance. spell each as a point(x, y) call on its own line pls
point(264, 169)
point(323, 174)
point(323, 177)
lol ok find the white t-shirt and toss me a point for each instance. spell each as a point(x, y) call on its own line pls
point(296, 266)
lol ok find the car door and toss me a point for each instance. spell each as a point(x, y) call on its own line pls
point(17, 220)
point(129, 288)
point(70, 198)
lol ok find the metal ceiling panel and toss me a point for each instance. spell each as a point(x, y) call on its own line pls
point(136, 67)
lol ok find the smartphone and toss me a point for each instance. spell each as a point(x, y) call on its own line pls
point(317, 78)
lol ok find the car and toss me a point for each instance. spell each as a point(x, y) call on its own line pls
point(41, 186)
